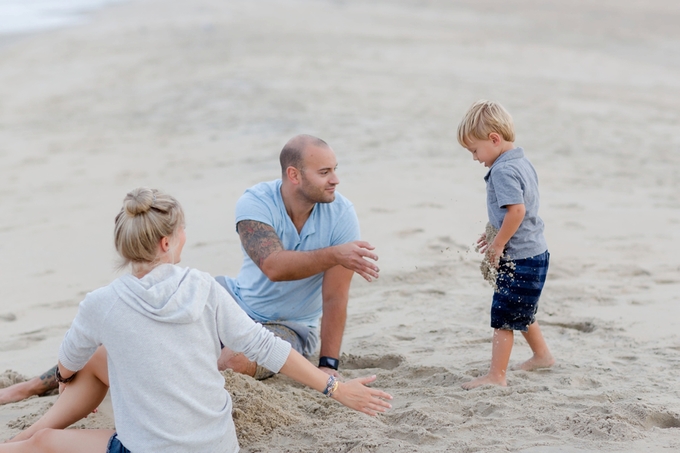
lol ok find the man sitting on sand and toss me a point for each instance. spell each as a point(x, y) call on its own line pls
point(301, 249)
point(301, 246)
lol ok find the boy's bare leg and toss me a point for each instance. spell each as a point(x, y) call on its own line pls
point(542, 357)
point(500, 356)
point(36, 386)
point(78, 399)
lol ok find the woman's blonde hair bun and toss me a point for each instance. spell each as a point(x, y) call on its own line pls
point(139, 201)
point(147, 216)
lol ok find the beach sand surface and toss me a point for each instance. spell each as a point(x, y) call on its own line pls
point(197, 98)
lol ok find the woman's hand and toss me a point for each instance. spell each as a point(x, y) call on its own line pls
point(355, 395)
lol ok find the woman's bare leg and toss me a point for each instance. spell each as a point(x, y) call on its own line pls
point(78, 399)
point(62, 441)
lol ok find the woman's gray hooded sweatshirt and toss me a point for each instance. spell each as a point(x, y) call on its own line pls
point(162, 335)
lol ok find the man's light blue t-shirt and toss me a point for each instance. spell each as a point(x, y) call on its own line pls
point(513, 180)
point(300, 300)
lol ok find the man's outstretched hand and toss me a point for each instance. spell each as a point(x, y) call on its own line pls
point(357, 256)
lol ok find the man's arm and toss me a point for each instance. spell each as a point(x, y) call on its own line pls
point(335, 294)
point(264, 247)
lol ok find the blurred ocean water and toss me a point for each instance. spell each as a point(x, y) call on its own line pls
point(21, 16)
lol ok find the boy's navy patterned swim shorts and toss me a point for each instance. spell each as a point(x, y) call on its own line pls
point(519, 285)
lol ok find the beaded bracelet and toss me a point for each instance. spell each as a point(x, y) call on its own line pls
point(331, 386)
point(62, 380)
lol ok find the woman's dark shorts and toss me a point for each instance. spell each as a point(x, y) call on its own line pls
point(519, 285)
point(115, 446)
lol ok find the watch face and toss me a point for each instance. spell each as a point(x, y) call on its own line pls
point(329, 362)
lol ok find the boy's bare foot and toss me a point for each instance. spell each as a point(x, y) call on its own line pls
point(484, 380)
point(535, 363)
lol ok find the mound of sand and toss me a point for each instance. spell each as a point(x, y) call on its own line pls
point(10, 377)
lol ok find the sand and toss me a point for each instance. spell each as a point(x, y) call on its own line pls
point(197, 98)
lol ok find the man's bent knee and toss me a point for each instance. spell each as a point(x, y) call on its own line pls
point(240, 364)
point(236, 362)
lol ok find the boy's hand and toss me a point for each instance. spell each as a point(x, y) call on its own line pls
point(482, 245)
point(494, 253)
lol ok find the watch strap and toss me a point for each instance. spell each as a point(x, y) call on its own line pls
point(329, 362)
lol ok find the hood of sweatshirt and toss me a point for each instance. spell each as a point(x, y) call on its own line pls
point(168, 293)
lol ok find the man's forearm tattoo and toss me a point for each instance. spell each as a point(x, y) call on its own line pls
point(49, 379)
point(259, 240)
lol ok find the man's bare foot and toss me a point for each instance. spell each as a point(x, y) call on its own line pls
point(484, 380)
point(535, 363)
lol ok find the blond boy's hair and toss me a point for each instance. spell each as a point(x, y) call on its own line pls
point(483, 118)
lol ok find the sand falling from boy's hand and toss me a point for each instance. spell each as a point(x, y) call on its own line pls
point(489, 271)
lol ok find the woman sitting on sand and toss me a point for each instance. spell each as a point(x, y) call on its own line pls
point(154, 336)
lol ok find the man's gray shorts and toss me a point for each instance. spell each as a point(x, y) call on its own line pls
point(303, 339)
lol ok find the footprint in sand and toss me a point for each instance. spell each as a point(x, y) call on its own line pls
point(581, 326)
point(409, 232)
point(663, 420)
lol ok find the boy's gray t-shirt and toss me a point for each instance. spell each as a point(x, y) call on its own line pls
point(513, 180)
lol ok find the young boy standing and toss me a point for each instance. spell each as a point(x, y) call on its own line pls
point(519, 250)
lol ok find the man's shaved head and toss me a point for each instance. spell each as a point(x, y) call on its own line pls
point(292, 154)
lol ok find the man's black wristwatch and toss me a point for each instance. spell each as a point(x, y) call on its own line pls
point(329, 362)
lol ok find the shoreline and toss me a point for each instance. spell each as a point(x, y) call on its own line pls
point(40, 16)
point(71, 17)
